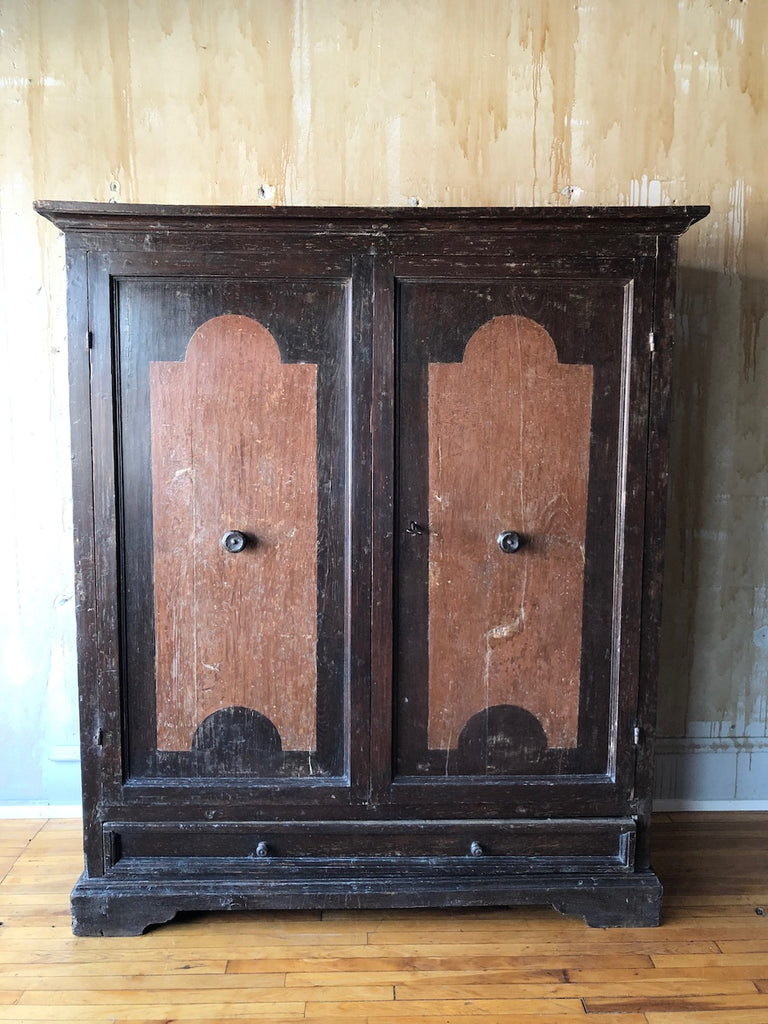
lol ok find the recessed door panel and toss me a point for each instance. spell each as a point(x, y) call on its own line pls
point(512, 454)
point(233, 503)
point(509, 430)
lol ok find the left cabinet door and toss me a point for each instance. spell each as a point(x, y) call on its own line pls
point(220, 429)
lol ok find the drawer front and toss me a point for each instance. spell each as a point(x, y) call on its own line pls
point(574, 845)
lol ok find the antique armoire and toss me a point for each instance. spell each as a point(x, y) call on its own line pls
point(369, 522)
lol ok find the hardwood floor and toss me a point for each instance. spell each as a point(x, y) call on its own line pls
point(706, 964)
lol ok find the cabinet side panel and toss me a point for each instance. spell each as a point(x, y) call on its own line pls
point(78, 325)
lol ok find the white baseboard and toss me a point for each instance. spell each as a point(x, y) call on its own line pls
point(712, 772)
point(710, 805)
point(40, 811)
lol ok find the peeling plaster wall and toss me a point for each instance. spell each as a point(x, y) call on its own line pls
point(455, 102)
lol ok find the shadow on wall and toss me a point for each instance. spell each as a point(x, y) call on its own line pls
point(715, 593)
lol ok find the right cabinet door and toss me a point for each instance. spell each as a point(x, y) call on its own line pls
point(521, 438)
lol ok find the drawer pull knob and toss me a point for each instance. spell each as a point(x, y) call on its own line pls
point(262, 850)
point(509, 541)
point(233, 541)
point(476, 849)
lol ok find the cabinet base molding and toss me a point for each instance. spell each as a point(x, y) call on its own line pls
point(122, 907)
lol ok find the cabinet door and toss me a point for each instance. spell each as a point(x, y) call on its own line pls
point(521, 444)
point(221, 411)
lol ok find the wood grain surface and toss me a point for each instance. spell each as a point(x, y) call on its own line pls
point(509, 435)
point(234, 448)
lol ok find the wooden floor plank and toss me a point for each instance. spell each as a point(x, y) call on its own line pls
point(478, 977)
point(83, 1013)
point(698, 1016)
point(699, 962)
point(650, 989)
point(89, 968)
point(137, 995)
point(436, 1009)
point(755, 1002)
point(526, 955)
point(441, 957)
point(684, 974)
point(756, 945)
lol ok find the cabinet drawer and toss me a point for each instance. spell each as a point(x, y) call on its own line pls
point(572, 844)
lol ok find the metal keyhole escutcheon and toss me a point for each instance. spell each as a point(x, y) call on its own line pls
point(233, 541)
point(415, 529)
point(509, 541)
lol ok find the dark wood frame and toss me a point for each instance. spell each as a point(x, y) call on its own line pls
point(365, 833)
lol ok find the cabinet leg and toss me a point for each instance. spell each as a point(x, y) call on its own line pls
point(636, 904)
point(102, 913)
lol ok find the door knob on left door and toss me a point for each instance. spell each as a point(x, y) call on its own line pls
point(233, 541)
point(509, 541)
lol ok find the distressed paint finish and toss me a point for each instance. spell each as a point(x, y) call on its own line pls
point(509, 432)
point(234, 448)
point(540, 101)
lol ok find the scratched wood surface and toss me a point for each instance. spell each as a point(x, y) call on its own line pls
point(234, 448)
point(706, 964)
point(509, 435)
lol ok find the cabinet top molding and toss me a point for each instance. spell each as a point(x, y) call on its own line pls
point(76, 216)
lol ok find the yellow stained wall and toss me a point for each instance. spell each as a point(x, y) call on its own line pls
point(452, 102)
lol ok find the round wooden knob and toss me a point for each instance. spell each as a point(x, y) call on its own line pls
point(233, 541)
point(509, 541)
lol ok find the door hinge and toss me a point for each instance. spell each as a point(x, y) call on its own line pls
point(89, 340)
point(636, 735)
point(652, 341)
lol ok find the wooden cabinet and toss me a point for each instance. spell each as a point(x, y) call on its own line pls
point(369, 521)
